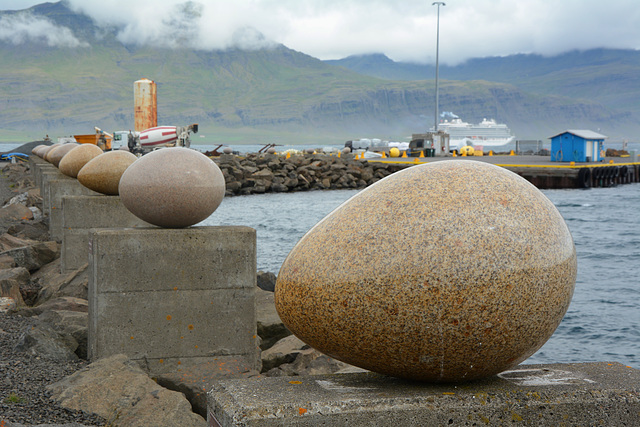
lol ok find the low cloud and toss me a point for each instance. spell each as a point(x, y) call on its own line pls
point(331, 29)
point(173, 24)
point(24, 28)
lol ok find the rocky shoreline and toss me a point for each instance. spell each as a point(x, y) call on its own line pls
point(265, 173)
point(45, 378)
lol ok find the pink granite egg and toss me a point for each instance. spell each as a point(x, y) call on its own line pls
point(102, 173)
point(449, 271)
point(172, 187)
point(79, 156)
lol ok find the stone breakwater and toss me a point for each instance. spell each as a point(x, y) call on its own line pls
point(264, 173)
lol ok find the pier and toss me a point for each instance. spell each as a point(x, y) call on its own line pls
point(545, 174)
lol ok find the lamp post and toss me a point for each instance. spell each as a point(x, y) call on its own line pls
point(439, 3)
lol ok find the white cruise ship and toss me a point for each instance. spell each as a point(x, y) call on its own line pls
point(487, 134)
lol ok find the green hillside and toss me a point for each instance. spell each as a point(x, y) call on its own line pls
point(260, 96)
point(610, 77)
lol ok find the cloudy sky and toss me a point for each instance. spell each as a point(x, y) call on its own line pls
point(404, 30)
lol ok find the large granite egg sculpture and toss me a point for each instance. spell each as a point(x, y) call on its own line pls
point(79, 156)
point(102, 173)
point(55, 156)
point(445, 272)
point(172, 187)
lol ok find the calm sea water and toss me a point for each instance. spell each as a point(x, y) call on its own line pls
point(603, 321)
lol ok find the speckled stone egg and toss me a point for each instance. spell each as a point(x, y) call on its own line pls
point(55, 156)
point(102, 173)
point(40, 150)
point(79, 156)
point(444, 272)
point(37, 148)
point(172, 187)
point(48, 149)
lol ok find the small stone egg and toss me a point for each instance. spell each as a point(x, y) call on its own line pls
point(56, 155)
point(79, 156)
point(35, 149)
point(172, 187)
point(41, 150)
point(102, 173)
point(48, 149)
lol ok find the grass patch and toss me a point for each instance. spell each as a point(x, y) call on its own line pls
point(14, 398)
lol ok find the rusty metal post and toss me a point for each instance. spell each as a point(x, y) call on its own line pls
point(145, 105)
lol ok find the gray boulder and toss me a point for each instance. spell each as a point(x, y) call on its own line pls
point(15, 212)
point(44, 341)
point(33, 230)
point(310, 361)
point(73, 323)
point(118, 390)
point(34, 256)
point(266, 280)
point(284, 351)
point(62, 303)
point(55, 284)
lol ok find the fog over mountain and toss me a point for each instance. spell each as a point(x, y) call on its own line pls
point(404, 31)
point(67, 68)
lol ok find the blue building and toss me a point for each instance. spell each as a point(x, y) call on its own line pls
point(577, 146)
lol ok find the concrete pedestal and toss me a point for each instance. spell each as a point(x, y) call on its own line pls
point(47, 175)
point(558, 394)
point(35, 165)
point(173, 298)
point(56, 189)
point(82, 213)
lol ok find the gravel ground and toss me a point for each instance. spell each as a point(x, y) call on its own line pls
point(23, 398)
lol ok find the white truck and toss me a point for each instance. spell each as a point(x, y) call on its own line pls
point(156, 137)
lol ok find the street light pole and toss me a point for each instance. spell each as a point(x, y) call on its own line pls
point(439, 3)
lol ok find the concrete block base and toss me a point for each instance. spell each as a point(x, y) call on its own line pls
point(559, 394)
point(49, 174)
point(173, 298)
point(83, 213)
point(56, 189)
point(36, 164)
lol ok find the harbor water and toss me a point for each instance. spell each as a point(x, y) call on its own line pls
point(603, 320)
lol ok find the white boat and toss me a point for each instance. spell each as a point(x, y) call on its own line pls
point(487, 134)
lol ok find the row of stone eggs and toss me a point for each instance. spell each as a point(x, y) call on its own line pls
point(172, 187)
point(443, 303)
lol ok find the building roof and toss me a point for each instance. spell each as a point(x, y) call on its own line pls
point(582, 133)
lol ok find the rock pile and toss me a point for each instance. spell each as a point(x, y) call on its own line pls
point(263, 173)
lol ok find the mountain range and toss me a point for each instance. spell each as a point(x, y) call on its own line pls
point(277, 94)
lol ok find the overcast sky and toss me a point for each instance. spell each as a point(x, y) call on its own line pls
point(404, 30)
